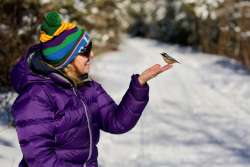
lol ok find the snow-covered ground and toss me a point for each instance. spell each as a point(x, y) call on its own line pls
point(197, 116)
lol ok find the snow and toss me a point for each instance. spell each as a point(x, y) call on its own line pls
point(204, 8)
point(245, 34)
point(197, 116)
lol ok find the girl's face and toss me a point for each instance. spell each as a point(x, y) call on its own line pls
point(82, 63)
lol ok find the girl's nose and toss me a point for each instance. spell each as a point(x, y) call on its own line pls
point(91, 54)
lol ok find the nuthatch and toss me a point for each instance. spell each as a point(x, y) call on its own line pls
point(168, 59)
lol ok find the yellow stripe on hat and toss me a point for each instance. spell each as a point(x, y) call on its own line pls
point(64, 26)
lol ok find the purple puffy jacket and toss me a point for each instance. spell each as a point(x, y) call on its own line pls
point(58, 124)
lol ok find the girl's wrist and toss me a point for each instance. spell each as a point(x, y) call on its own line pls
point(141, 81)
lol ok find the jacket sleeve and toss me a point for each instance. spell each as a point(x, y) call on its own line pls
point(34, 120)
point(118, 119)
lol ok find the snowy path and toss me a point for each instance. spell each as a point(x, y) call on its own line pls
point(197, 116)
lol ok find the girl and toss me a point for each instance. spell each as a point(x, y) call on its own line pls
point(60, 110)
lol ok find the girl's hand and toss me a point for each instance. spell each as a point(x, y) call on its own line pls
point(153, 72)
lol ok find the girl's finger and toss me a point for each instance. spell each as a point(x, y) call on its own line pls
point(166, 67)
point(155, 66)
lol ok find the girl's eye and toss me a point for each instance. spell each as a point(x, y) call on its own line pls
point(84, 55)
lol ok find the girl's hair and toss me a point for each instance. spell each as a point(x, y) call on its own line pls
point(69, 71)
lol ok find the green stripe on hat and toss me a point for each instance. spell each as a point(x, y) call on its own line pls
point(71, 38)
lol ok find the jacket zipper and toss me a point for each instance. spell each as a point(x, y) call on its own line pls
point(89, 128)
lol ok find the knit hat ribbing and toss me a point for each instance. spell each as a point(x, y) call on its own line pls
point(61, 42)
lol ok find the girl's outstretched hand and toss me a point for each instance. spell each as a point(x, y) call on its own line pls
point(153, 72)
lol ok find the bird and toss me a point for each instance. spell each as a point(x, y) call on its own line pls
point(168, 59)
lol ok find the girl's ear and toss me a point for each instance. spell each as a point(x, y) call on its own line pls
point(73, 62)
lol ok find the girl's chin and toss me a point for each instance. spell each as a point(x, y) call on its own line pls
point(85, 69)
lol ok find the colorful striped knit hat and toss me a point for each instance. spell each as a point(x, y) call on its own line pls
point(61, 42)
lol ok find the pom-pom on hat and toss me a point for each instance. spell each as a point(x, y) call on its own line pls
point(61, 42)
